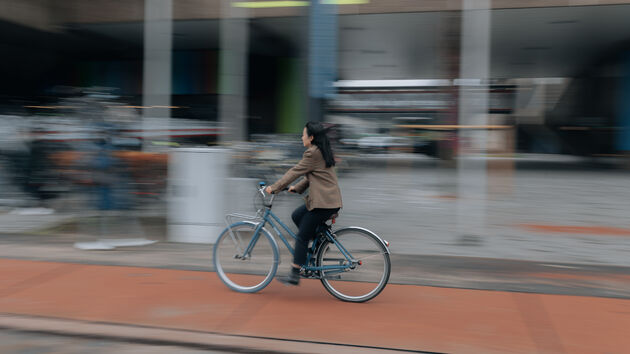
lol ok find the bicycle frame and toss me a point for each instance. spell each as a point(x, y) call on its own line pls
point(270, 218)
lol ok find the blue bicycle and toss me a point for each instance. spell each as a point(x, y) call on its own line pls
point(352, 263)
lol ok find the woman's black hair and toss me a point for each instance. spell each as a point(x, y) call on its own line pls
point(318, 132)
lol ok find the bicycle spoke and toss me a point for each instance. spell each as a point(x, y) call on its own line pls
point(245, 272)
point(380, 255)
point(369, 271)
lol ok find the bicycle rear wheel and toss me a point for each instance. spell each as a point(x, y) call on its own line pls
point(245, 273)
point(371, 265)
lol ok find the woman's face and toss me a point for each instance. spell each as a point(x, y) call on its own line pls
point(306, 140)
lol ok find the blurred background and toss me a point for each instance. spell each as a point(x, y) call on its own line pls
point(497, 130)
point(459, 120)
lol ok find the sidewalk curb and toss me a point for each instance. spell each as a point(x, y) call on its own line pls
point(176, 337)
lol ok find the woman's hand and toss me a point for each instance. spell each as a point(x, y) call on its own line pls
point(292, 190)
point(268, 190)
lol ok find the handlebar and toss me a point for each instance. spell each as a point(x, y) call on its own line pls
point(261, 190)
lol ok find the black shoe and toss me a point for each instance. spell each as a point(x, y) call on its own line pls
point(292, 279)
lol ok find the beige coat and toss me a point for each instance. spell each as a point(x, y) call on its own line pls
point(321, 180)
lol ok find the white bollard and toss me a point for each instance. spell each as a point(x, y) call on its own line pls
point(197, 178)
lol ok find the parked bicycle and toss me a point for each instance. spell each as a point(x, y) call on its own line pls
point(352, 263)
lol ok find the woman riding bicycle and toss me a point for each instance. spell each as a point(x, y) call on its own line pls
point(324, 198)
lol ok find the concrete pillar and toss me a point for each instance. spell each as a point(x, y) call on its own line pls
point(156, 79)
point(473, 110)
point(233, 66)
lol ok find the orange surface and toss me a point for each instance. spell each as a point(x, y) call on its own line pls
point(593, 230)
point(68, 158)
point(403, 316)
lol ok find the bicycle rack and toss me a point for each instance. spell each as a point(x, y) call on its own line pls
point(232, 218)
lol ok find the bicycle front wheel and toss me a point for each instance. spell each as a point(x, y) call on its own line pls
point(242, 272)
point(370, 265)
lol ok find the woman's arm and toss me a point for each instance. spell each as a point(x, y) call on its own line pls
point(306, 165)
point(301, 186)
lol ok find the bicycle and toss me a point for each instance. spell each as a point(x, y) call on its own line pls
point(352, 263)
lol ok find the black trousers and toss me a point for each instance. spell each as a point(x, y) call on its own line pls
point(307, 222)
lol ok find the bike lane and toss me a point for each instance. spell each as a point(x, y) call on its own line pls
point(402, 317)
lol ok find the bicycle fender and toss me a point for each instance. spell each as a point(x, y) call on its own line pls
point(367, 231)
